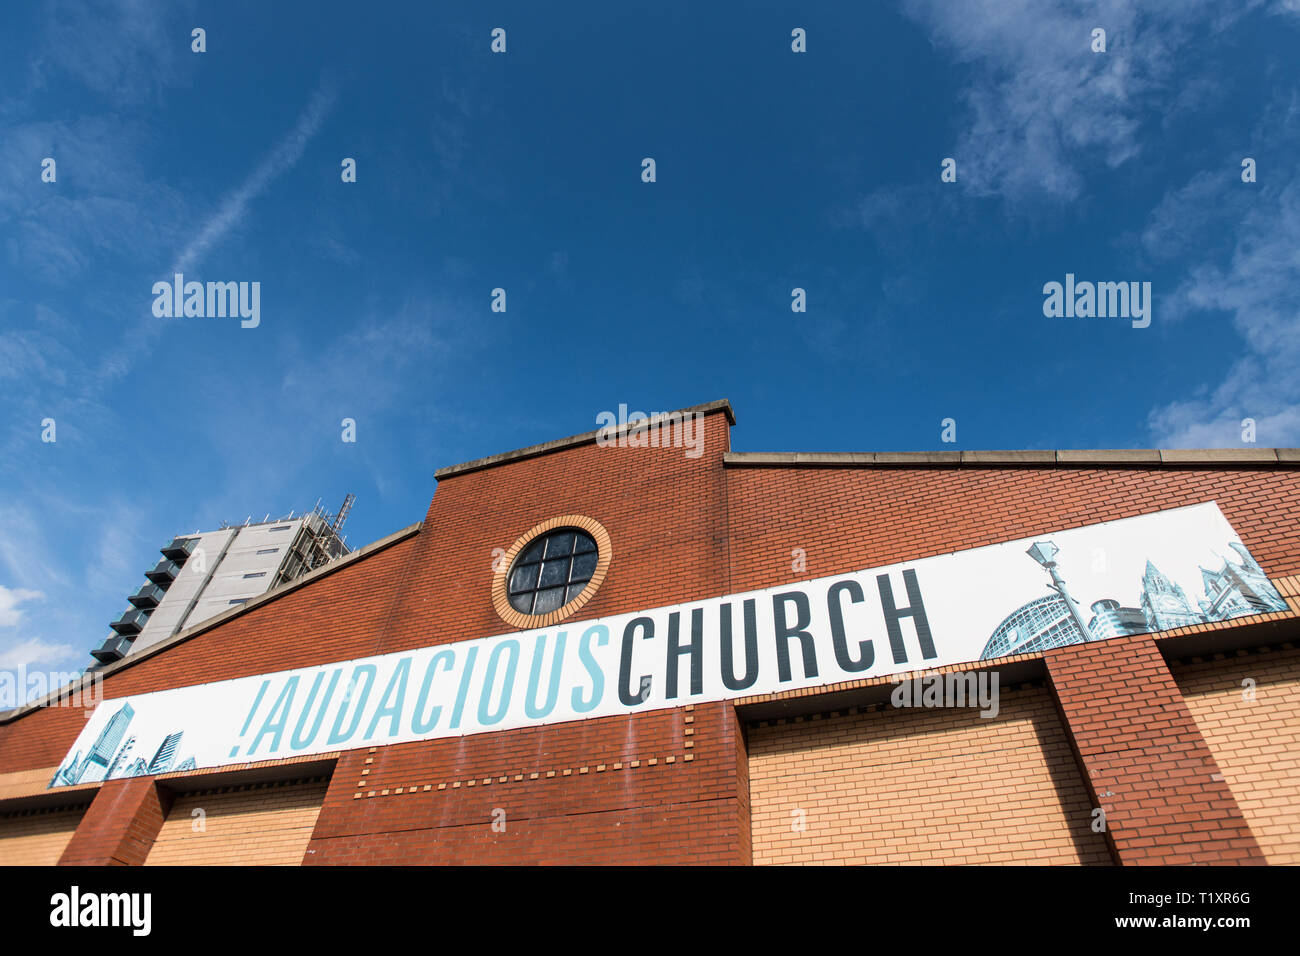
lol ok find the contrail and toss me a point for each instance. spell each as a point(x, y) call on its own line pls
point(235, 206)
point(118, 361)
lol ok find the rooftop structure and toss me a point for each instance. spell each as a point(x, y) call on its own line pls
point(207, 573)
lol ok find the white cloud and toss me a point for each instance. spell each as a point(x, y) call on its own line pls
point(35, 654)
point(1043, 111)
point(119, 556)
point(366, 367)
point(1259, 288)
point(120, 49)
point(22, 654)
point(104, 204)
point(10, 614)
point(1244, 244)
point(24, 550)
point(1190, 219)
point(1041, 106)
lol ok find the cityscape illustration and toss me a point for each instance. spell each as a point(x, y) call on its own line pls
point(1238, 589)
point(110, 757)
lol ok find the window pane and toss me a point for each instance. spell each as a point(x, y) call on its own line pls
point(551, 571)
point(583, 567)
point(523, 578)
point(555, 572)
point(548, 600)
point(559, 544)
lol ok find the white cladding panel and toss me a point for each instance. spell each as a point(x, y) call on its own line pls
point(247, 570)
point(189, 583)
point(226, 568)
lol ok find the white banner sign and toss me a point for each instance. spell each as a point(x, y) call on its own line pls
point(1138, 575)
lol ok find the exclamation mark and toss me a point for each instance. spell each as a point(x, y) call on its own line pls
point(249, 719)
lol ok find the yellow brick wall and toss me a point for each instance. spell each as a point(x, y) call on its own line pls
point(920, 785)
point(37, 839)
point(26, 783)
point(263, 825)
point(1255, 743)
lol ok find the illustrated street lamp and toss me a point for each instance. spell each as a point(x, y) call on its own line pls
point(1044, 552)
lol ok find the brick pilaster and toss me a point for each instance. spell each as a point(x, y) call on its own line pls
point(120, 824)
point(1144, 758)
point(735, 729)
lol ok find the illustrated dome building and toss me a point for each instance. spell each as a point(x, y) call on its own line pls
point(1042, 623)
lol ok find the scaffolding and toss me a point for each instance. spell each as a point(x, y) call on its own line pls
point(318, 541)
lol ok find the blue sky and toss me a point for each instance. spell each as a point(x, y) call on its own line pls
point(522, 170)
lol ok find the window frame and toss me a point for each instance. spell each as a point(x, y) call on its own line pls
point(504, 567)
point(544, 561)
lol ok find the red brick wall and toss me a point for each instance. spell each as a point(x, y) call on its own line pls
point(614, 790)
point(664, 513)
point(849, 518)
point(1139, 747)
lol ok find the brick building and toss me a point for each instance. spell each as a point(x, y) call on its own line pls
point(1187, 739)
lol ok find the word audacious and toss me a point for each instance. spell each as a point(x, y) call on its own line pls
point(656, 658)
